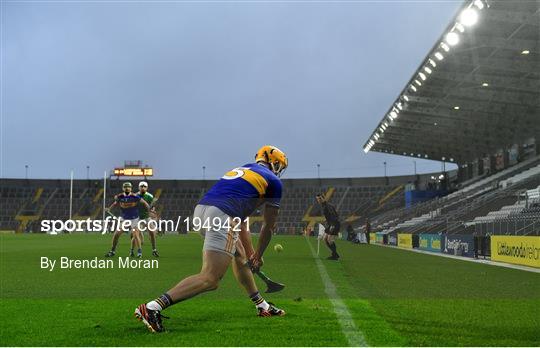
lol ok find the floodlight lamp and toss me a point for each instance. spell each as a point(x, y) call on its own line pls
point(452, 38)
point(468, 17)
point(479, 4)
point(445, 47)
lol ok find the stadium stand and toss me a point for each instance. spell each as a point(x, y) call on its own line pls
point(475, 101)
point(26, 202)
point(451, 214)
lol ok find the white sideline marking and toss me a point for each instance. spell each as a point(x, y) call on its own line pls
point(463, 258)
point(348, 327)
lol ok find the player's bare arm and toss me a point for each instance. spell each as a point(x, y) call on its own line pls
point(113, 204)
point(145, 204)
point(270, 215)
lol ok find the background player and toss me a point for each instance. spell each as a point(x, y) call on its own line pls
point(128, 202)
point(332, 226)
point(145, 215)
point(234, 197)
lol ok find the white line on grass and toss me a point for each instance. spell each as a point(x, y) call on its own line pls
point(348, 327)
point(463, 258)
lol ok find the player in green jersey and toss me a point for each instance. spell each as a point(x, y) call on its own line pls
point(145, 214)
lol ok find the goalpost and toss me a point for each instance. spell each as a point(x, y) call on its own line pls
point(71, 195)
point(104, 194)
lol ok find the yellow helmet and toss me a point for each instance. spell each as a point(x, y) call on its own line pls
point(276, 159)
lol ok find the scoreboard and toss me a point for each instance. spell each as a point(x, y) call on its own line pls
point(134, 171)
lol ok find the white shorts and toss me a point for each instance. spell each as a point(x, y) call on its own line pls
point(220, 238)
point(129, 225)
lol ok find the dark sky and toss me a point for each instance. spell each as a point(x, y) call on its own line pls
point(180, 85)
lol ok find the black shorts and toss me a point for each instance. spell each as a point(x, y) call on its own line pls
point(333, 228)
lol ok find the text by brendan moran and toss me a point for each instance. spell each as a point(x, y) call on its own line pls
point(65, 263)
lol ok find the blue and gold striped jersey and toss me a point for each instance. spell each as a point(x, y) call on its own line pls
point(128, 205)
point(240, 191)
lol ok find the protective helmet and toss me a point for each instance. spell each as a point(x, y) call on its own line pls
point(276, 159)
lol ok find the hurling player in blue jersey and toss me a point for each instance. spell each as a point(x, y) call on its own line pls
point(129, 207)
point(229, 202)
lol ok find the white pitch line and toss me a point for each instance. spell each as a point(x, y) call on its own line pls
point(463, 258)
point(348, 327)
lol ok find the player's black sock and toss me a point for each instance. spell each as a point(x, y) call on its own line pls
point(333, 248)
point(259, 301)
point(160, 303)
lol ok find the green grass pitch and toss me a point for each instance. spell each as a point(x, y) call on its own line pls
point(395, 297)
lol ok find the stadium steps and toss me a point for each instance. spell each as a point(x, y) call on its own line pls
point(496, 177)
point(98, 195)
point(455, 208)
point(390, 195)
point(534, 171)
point(38, 194)
point(459, 221)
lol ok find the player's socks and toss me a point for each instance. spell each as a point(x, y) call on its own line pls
point(333, 248)
point(160, 303)
point(113, 250)
point(259, 301)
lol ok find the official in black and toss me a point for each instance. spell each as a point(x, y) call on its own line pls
point(332, 226)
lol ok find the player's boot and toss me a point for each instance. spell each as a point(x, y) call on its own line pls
point(271, 311)
point(150, 318)
point(110, 254)
point(131, 253)
point(139, 255)
point(334, 257)
point(155, 253)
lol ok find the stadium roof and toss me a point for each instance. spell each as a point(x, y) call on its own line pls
point(477, 90)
